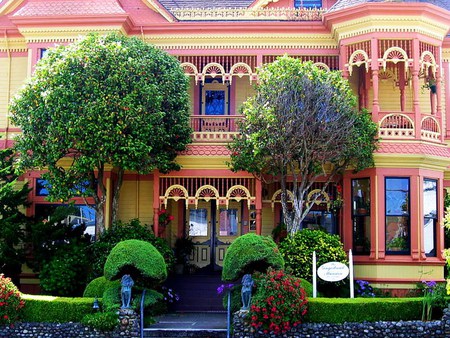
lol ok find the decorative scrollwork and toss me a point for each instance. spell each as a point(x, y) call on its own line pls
point(322, 65)
point(396, 125)
point(358, 58)
point(430, 128)
point(276, 197)
point(207, 193)
point(238, 193)
point(426, 61)
point(318, 197)
point(190, 70)
point(395, 55)
point(241, 69)
point(213, 69)
point(175, 192)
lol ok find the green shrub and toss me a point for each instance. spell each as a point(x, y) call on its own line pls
point(11, 302)
point(152, 297)
point(250, 253)
point(97, 287)
point(307, 286)
point(100, 249)
point(102, 321)
point(297, 251)
point(65, 274)
point(137, 258)
point(279, 302)
point(55, 309)
point(112, 299)
point(341, 310)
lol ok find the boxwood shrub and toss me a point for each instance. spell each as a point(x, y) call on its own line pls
point(341, 310)
point(97, 287)
point(55, 309)
point(250, 253)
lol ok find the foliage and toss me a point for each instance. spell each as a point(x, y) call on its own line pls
point(119, 231)
point(433, 297)
point(279, 302)
point(152, 297)
point(297, 251)
point(55, 309)
point(279, 233)
point(111, 298)
point(184, 247)
point(250, 253)
point(234, 290)
point(102, 100)
point(341, 310)
point(164, 218)
point(102, 321)
point(11, 302)
point(363, 289)
point(98, 286)
point(12, 221)
point(302, 123)
point(65, 274)
point(137, 258)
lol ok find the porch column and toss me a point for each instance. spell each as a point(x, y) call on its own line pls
point(155, 202)
point(342, 61)
point(438, 86)
point(375, 68)
point(446, 66)
point(416, 86)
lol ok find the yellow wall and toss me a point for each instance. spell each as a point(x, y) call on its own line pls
point(10, 85)
point(136, 201)
point(243, 90)
point(267, 221)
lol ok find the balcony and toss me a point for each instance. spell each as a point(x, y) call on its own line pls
point(213, 129)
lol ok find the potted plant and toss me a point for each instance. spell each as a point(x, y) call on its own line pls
point(430, 84)
point(397, 244)
point(184, 247)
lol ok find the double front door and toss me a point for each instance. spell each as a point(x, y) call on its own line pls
point(212, 230)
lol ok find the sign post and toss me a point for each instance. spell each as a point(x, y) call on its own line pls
point(314, 275)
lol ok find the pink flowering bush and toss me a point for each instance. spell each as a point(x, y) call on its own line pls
point(279, 302)
point(10, 301)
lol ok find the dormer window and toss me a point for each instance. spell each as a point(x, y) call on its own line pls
point(308, 3)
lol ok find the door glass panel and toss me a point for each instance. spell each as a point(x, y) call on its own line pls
point(214, 102)
point(198, 222)
point(228, 222)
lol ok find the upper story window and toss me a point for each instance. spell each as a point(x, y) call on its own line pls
point(308, 3)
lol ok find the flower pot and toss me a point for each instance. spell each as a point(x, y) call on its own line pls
point(433, 89)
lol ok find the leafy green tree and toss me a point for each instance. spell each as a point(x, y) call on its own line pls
point(101, 102)
point(302, 125)
point(13, 198)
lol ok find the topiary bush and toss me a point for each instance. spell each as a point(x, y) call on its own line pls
point(111, 298)
point(250, 253)
point(11, 302)
point(137, 258)
point(102, 321)
point(98, 286)
point(297, 251)
point(119, 231)
point(279, 302)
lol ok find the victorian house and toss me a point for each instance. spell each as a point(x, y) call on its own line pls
point(396, 56)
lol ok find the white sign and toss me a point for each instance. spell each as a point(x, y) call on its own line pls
point(333, 271)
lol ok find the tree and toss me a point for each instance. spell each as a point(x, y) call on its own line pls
point(101, 102)
point(302, 125)
point(13, 198)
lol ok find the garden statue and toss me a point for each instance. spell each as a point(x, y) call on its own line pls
point(127, 283)
point(246, 291)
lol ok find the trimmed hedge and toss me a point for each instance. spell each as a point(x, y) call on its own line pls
point(138, 258)
point(55, 309)
point(340, 310)
point(250, 253)
point(98, 286)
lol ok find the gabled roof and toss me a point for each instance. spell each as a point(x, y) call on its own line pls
point(341, 4)
point(69, 7)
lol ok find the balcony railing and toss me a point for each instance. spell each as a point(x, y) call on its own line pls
point(214, 128)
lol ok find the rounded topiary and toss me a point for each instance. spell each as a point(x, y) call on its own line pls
point(120, 231)
point(111, 299)
point(297, 251)
point(97, 286)
point(137, 258)
point(250, 253)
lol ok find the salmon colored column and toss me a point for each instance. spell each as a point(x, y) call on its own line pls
point(155, 202)
point(446, 66)
point(416, 86)
point(415, 215)
point(375, 68)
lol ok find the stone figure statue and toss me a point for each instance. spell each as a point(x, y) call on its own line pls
point(127, 283)
point(246, 291)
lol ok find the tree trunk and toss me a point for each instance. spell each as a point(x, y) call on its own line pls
point(116, 196)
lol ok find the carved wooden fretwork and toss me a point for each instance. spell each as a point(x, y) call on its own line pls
point(395, 55)
point(318, 197)
point(207, 193)
point(323, 66)
point(238, 193)
point(426, 61)
point(213, 69)
point(276, 197)
point(241, 69)
point(396, 126)
point(386, 75)
point(175, 192)
point(430, 128)
point(190, 70)
point(358, 58)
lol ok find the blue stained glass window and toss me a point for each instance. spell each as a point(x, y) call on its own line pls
point(215, 102)
point(308, 3)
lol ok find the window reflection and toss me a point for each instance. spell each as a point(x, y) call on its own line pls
point(198, 222)
point(228, 222)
